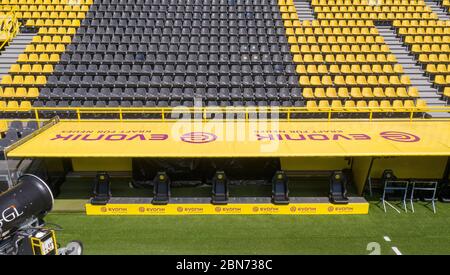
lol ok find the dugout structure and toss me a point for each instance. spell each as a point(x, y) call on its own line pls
point(412, 149)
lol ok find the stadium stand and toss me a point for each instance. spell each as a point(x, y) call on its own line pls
point(320, 59)
point(55, 23)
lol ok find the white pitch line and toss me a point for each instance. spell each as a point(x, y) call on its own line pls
point(396, 250)
point(387, 239)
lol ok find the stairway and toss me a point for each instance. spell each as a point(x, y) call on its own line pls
point(411, 68)
point(304, 10)
point(11, 52)
point(438, 9)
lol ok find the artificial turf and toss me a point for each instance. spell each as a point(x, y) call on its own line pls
point(412, 233)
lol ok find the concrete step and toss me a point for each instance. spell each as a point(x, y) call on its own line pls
point(438, 9)
point(410, 67)
point(304, 10)
point(13, 50)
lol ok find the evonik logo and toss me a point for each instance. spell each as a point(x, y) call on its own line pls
point(399, 136)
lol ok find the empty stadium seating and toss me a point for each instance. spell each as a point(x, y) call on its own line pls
point(55, 22)
point(8, 27)
point(165, 53)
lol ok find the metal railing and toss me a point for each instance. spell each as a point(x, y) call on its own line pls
point(168, 114)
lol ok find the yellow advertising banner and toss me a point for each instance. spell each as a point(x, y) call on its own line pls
point(238, 139)
point(230, 209)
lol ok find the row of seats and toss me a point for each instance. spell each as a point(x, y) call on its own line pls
point(192, 59)
point(162, 3)
point(377, 16)
point(26, 10)
point(324, 103)
point(445, 30)
point(356, 92)
point(426, 39)
point(372, 9)
point(362, 105)
point(327, 30)
point(167, 39)
point(338, 48)
point(434, 69)
point(429, 49)
point(342, 58)
point(365, 2)
point(351, 80)
point(323, 40)
point(181, 48)
point(173, 70)
point(166, 80)
point(19, 92)
point(54, 15)
point(180, 31)
point(224, 93)
point(181, 69)
point(13, 108)
point(117, 18)
point(344, 69)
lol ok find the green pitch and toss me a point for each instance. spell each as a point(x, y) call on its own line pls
point(420, 233)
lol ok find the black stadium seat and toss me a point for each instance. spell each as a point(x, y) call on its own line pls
point(227, 51)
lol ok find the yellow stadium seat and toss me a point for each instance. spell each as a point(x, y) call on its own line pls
point(367, 92)
point(373, 104)
point(408, 104)
point(361, 105)
point(15, 68)
point(21, 92)
point(25, 106)
point(319, 93)
point(413, 92)
point(421, 103)
point(336, 104)
point(331, 93)
point(401, 92)
point(304, 80)
point(397, 105)
point(349, 105)
point(378, 92)
point(355, 93)
point(12, 105)
point(308, 93)
point(343, 93)
point(385, 105)
point(311, 106)
point(8, 92)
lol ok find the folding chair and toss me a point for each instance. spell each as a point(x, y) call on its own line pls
point(393, 186)
point(426, 186)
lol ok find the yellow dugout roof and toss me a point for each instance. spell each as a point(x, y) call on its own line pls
point(237, 139)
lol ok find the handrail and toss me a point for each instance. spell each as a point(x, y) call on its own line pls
point(229, 113)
